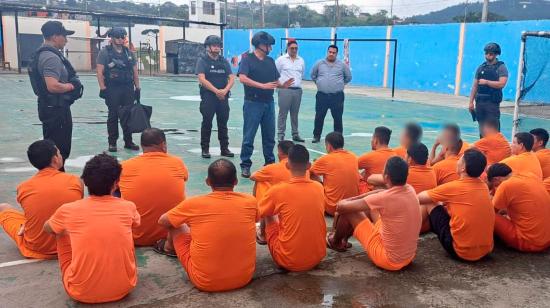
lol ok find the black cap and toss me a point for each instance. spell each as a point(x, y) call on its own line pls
point(51, 28)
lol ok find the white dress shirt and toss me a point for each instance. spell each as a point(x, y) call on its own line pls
point(291, 68)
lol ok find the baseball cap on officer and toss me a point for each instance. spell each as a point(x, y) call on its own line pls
point(53, 27)
point(213, 40)
point(492, 48)
point(262, 38)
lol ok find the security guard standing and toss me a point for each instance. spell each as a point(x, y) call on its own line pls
point(491, 77)
point(118, 80)
point(57, 86)
point(215, 82)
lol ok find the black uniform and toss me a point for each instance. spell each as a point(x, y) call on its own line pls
point(488, 99)
point(54, 110)
point(216, 72)
point(119, 80)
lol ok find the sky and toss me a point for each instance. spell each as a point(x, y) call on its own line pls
point(401, 8)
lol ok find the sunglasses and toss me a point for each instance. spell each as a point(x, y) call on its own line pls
point(293, 48)
point(119, 37)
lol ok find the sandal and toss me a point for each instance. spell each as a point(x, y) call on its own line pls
point(259, 239)
point(159, 248)
point(330, 245)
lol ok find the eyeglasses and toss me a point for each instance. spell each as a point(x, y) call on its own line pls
point(119, 37)
point(293, 48)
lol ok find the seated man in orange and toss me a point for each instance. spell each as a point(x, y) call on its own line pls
point(374, 162)
point(445, 170)
point(338, 170)
point(539, 147)
point(155, 182)
point(94, 237)
point(411, 134)
point(523, 161)
point(213, 235)
point(268, 176)
point(385, 222)
point(464, 223)
point(40, 196)
point(547, 184)
point(493, 144)
point(294, 215)
point(421, 177)
point(450, 134)
point(524, 206)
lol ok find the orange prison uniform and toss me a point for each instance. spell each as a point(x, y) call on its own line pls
point(401, 151)
point(465, 146)
point(220, 252)
point(297, 241)
point(544, 160)
point(391, 243)
point(528, 206)
point(40, 196)
point(472, 216)
point(373, 163)
point(96, 249)
point(547, 184)
point(155, 182)
point(340, 177)
point(270, 175)
point(421, 178)
point(445, 170)
point(524, 163)
point(495, 147)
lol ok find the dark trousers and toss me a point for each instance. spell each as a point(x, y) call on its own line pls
point(324, 102)
point(57, 126)
point(258, 114)
point(486, 110)
point(117, 97)
point(210, 106)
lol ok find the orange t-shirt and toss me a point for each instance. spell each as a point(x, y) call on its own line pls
point(40, 196)
point(400, 219)
point(547, 184)
point(472, 216)
point(524, 163)
point(465, 146)
point(445, 170)
point(544, 160)
point(155, 182)
point(495, 147)
point(528, 205)
point(103, 264)
point(340, 177)
point(223, 238)
point(421, 178)
point(374, 162)
point(270, 175)
point(300, 206)
point(401, 151)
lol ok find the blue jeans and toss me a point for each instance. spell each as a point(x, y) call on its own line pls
point(254, 115)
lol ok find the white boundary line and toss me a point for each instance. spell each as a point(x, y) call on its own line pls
point(315, 151)
point(19, 262)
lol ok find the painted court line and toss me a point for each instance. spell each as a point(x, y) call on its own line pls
point(19, 262)
point(315, 151)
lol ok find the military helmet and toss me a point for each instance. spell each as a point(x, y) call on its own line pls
point(492, 48)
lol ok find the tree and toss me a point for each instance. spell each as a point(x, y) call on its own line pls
point(476, 17)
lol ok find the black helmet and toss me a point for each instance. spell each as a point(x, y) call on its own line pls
point(492, 48)
point(262, 38)
point(117, 32)
point(213, 40)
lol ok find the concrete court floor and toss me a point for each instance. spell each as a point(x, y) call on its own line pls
point(507, 278)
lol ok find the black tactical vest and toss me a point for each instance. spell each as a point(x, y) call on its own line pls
point(216, 72)
point(484, 92)
point(120, 67)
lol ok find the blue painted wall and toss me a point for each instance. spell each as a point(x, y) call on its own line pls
point(427, 54)
point(235, 42)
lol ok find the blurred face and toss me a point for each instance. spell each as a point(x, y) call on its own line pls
point(446, 137)
point(59, 41)
point(214, 49)
point(538, 144)
point(331, 54)
point(404, 139)
point(516, 147)
point(118, 40)
point(490, 57)
point(266, 49)
point(292, 50)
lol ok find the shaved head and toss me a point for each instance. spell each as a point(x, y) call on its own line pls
point(152, 137)
point(222, 174)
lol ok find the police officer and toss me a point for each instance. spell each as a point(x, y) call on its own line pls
point(215, 82)
point(118, 79)
point(57, 86)
point(490, 79)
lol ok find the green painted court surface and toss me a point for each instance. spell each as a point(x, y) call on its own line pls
point(342, 279)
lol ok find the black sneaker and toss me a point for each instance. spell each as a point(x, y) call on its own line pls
point(205, 153)
point(227, 153)
point(131, 146)
point(112, 148)
point(316, 140)
point(245, 172)
point(298, 139)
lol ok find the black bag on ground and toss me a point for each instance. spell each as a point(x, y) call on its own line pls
point(136, 117)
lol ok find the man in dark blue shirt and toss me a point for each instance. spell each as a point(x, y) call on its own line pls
point(259, 75)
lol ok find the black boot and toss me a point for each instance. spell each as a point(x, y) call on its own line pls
point(205, 153)
point(131, 146)
point(225, 152)
point(112, 148)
